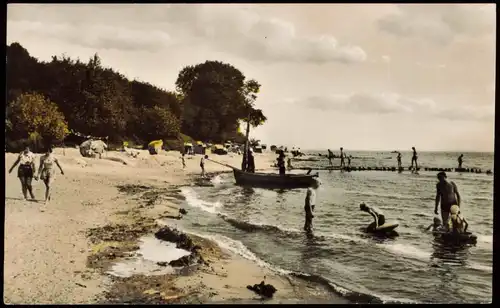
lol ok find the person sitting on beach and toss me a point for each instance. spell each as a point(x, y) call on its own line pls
point(202, 165)
point(456, 223)
point(436, 225)
point(378, 216)
point(310, 203)
point(47, 171)
point(447, 194)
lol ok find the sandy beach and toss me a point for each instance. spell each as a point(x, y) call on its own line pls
point(100, 208)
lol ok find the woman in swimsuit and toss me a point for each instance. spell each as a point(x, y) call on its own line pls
point(26, 161)
point(47, 171)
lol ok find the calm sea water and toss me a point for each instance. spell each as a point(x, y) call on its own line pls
point(266, 226)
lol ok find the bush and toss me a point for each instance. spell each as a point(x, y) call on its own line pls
point(39, 120)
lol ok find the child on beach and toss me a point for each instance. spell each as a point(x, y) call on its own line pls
point(456, 223)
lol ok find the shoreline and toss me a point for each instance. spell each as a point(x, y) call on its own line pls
point(106, 206)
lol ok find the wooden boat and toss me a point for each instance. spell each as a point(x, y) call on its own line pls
point(273, 180)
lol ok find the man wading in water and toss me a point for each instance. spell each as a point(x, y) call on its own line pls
point(399, 160)
point(446, 193)
point(342, 157)
point(460, 161)
point(25, 172)
point(330, 157)
point(414, 159)
point(47, 171)
point(310, 202)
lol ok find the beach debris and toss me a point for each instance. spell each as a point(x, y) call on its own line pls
point(151, 292)
point(183, 211)
point(182, 241)
point(264, 290)
point(80, 285)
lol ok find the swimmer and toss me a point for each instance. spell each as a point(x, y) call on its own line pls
point(456, 223)
point(378, 216)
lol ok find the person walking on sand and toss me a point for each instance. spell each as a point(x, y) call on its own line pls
point(183, 159)
point(330, 157)
point(342, 159)
point(414, 158)
point(25, 172)
point(460, 161)
point(202, 165)
point(310, 203)
point(447, 194)
point(47, 171)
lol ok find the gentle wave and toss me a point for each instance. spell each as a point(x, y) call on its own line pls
point(388, 196)
point(193, 200)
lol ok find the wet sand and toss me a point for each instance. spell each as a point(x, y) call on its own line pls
point(62, 253)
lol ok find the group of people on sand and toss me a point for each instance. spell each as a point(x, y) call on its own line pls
point(447, 195)
point(343, 156)
point(26, 171)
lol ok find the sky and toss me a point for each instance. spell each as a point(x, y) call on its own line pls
point(360, 76)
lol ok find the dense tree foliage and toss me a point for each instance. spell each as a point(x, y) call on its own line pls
point(94, 100)
point(215, 97)
point(35, 118)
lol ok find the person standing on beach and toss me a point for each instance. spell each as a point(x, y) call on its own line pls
point(202, 165)
point(25, 172)
point(281, 163)
point(342, 156)
point(330, 157)
point(460, 161)
point(414, 159)
point(47, 171)
point(310, 203)
point(250, 161)
point(183, 161)
point(399, 160)
point(447, 194)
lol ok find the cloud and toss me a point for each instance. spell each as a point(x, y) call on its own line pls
point(393, 103)
point(440, 23)
point(95, 35)
point(386, 59)
point(226, 28)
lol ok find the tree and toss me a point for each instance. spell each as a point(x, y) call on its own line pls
point(32, 116)
point(215, 97)
point(156, 123)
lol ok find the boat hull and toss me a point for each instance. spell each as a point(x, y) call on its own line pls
point(269, 180)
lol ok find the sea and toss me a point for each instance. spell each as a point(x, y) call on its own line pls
point(266, 226)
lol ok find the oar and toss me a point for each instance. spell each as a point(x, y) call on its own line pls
point(225, 165)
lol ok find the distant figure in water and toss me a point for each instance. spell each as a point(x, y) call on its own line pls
point(310, 203)
point(183, 158)
point(456, 223)
point(378, 216)
point(25, 172)
point(460, 161)
point(281, 162)
point(47, 171)
point(342, 156)
point(446, 193)
point(330, 157)
point(202, 165)
point(414, 158)
point(250, 161)
point(349, 161)
point(436, 225)
point(399, 160)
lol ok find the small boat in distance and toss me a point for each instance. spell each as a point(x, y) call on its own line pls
point(271, 180)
